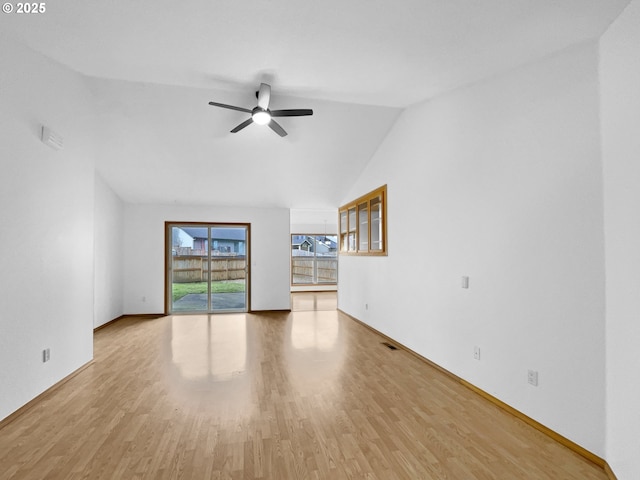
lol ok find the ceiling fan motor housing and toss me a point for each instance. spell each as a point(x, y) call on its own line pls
point(260, 115)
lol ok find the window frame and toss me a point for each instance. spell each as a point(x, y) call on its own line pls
point(350, 236)
point(315, 260)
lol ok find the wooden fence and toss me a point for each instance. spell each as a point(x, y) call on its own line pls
point(302, 269)
point(190, 269)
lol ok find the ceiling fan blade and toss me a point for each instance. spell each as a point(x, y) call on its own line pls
point(230, 107)
point(275, 126)
point(300, 112)
point(246, 123)
point(264, 95)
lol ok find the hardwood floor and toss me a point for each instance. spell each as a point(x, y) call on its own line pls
point(301, 395)
point(302, 301)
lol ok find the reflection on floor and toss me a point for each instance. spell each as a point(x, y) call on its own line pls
point(303, 301)
point(308, 394)
point(207, 348)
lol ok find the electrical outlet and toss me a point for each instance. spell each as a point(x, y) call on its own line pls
point(46, 355)
point(476, 353)
point(366, 306)
point(532, 377)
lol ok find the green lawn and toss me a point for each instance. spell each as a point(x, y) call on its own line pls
point(182, 289)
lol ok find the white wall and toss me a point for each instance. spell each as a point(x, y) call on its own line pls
point(314, 220)
point(46, 225)
point(500, 181)
point(108, 253)
point(144, 252)
point(620, 107)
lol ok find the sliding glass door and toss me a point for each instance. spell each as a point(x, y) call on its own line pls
point(207, 267)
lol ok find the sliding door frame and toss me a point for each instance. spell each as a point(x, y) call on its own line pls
point(168, 261)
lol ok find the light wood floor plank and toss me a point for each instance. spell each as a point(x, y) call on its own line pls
point(309, 394)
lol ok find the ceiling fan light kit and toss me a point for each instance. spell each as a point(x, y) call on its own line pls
point(261, 113)
point(261, 117)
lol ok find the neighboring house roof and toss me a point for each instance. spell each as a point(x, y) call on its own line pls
point(328, 242)
point(322, 239)
point(217, 233)
point(300, 242)
point(298, 239)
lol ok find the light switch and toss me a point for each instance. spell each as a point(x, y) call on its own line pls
point(465, 282)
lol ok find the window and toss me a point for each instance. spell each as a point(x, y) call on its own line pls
point(363, 229)
point(313, 259)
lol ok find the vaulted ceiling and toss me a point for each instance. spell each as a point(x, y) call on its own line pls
point(153, 65)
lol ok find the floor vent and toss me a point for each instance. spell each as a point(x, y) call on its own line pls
point(389, 346)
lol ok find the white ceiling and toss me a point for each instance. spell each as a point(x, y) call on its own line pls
point(356, 63)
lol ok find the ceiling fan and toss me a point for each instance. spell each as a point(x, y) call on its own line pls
point(261, 113)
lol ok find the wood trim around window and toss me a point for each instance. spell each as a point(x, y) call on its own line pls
point(362, 225)
point(317, 284)
point(168, 258)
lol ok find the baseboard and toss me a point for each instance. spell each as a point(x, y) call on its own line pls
point(27, 406)
point(284, 310)
point(528, 420)
point(106, 324)
point(143, 316)
point(534, 423)
point(609, 472)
